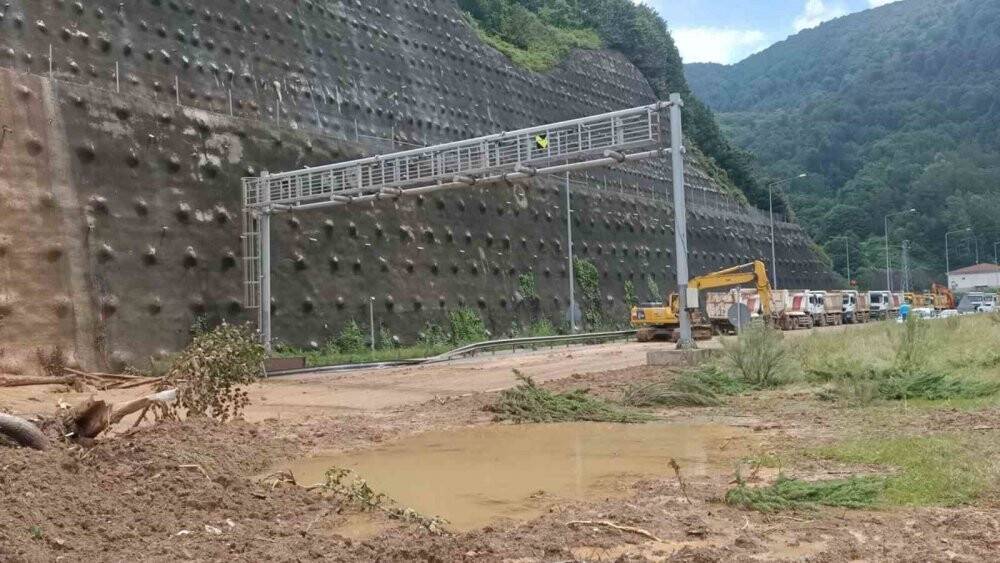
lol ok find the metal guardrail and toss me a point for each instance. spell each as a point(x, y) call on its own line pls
point(512, 344)
point(531, 342)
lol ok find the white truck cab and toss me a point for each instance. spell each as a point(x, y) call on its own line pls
point(816, 305)
point(880, 304)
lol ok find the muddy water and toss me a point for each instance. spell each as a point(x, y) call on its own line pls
point(474, 476)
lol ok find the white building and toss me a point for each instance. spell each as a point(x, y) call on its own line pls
point(978, 277)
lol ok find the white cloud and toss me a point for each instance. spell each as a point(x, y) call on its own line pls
point(877, 3)
point(717, 44)
point(816, 12)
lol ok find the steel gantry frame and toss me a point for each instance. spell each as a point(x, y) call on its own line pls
point(600, 140)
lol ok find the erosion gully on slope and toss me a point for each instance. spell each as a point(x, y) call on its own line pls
point(473, 477)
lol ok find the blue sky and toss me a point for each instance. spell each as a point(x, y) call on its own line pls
point(727, 31)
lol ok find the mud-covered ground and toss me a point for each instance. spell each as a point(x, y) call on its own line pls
point(199, 491)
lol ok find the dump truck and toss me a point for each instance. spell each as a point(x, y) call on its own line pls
point(855, 307)
point(880, 304)
point(791, 308)
point(659, 320)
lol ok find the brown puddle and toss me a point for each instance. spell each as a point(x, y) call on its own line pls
point(474, 476)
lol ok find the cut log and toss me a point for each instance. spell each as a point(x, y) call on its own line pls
point(22, 432)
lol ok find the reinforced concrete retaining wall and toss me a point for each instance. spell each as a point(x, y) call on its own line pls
point(128, 125)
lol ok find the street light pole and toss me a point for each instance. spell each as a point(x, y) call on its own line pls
point(947, 254)
point(847, 252)
point(888, 266)
point(770, 206)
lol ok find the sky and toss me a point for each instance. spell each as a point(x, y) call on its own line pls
point(727, 31)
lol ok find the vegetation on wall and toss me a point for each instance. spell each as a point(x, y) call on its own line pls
point(886, 110)
point(537, 34)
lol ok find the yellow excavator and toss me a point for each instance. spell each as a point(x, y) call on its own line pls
point(661, 321)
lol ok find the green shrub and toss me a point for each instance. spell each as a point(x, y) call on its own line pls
point(910, 344)
point(385, 339)
point(433, 335)
point(542, 327)
point(210, 373)
point(351, 340)
point(528, 287)
point(654, 289)
point(758, 355)
point(631, 299)
point(466, 326)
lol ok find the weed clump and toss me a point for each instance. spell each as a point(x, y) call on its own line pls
point(793, 494)
point(866, 385)
point(359, 493)
point(759, 355)
point(701, 388)
point(530, 403)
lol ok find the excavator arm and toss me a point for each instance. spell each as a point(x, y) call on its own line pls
point(753, 272)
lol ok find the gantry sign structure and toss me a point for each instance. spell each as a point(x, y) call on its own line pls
point(589, 142)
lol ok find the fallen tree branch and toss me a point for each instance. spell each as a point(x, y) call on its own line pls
point(134, 384)
point(26, 381)
point(137, 405)
point(618, 527)
point(22, 432)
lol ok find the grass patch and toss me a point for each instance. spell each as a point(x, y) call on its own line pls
point(944, 470)
point(530, 403)
point(790, 494)
point(962, 347)
point(868, 385)
point(533, 44)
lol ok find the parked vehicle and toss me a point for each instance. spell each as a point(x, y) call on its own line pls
point(855, 306)
point(880, 304)
point(977, 302)
point(817, 308)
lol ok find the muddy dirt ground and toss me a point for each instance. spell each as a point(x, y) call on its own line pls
point(197, 491)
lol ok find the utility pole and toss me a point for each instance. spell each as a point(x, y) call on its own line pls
point(847, 251)
point(947, 253)
point(569, 246)
point(888, 266)
point(685, 341)
point(906, 265)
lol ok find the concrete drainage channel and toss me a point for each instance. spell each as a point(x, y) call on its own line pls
point(276, 367)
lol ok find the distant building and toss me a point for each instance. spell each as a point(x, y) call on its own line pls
point(980, 276)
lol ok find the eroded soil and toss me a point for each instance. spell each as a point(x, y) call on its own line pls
point(193, 491)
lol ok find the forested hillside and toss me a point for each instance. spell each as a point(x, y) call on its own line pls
point(537, 34)
point(888, 109)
